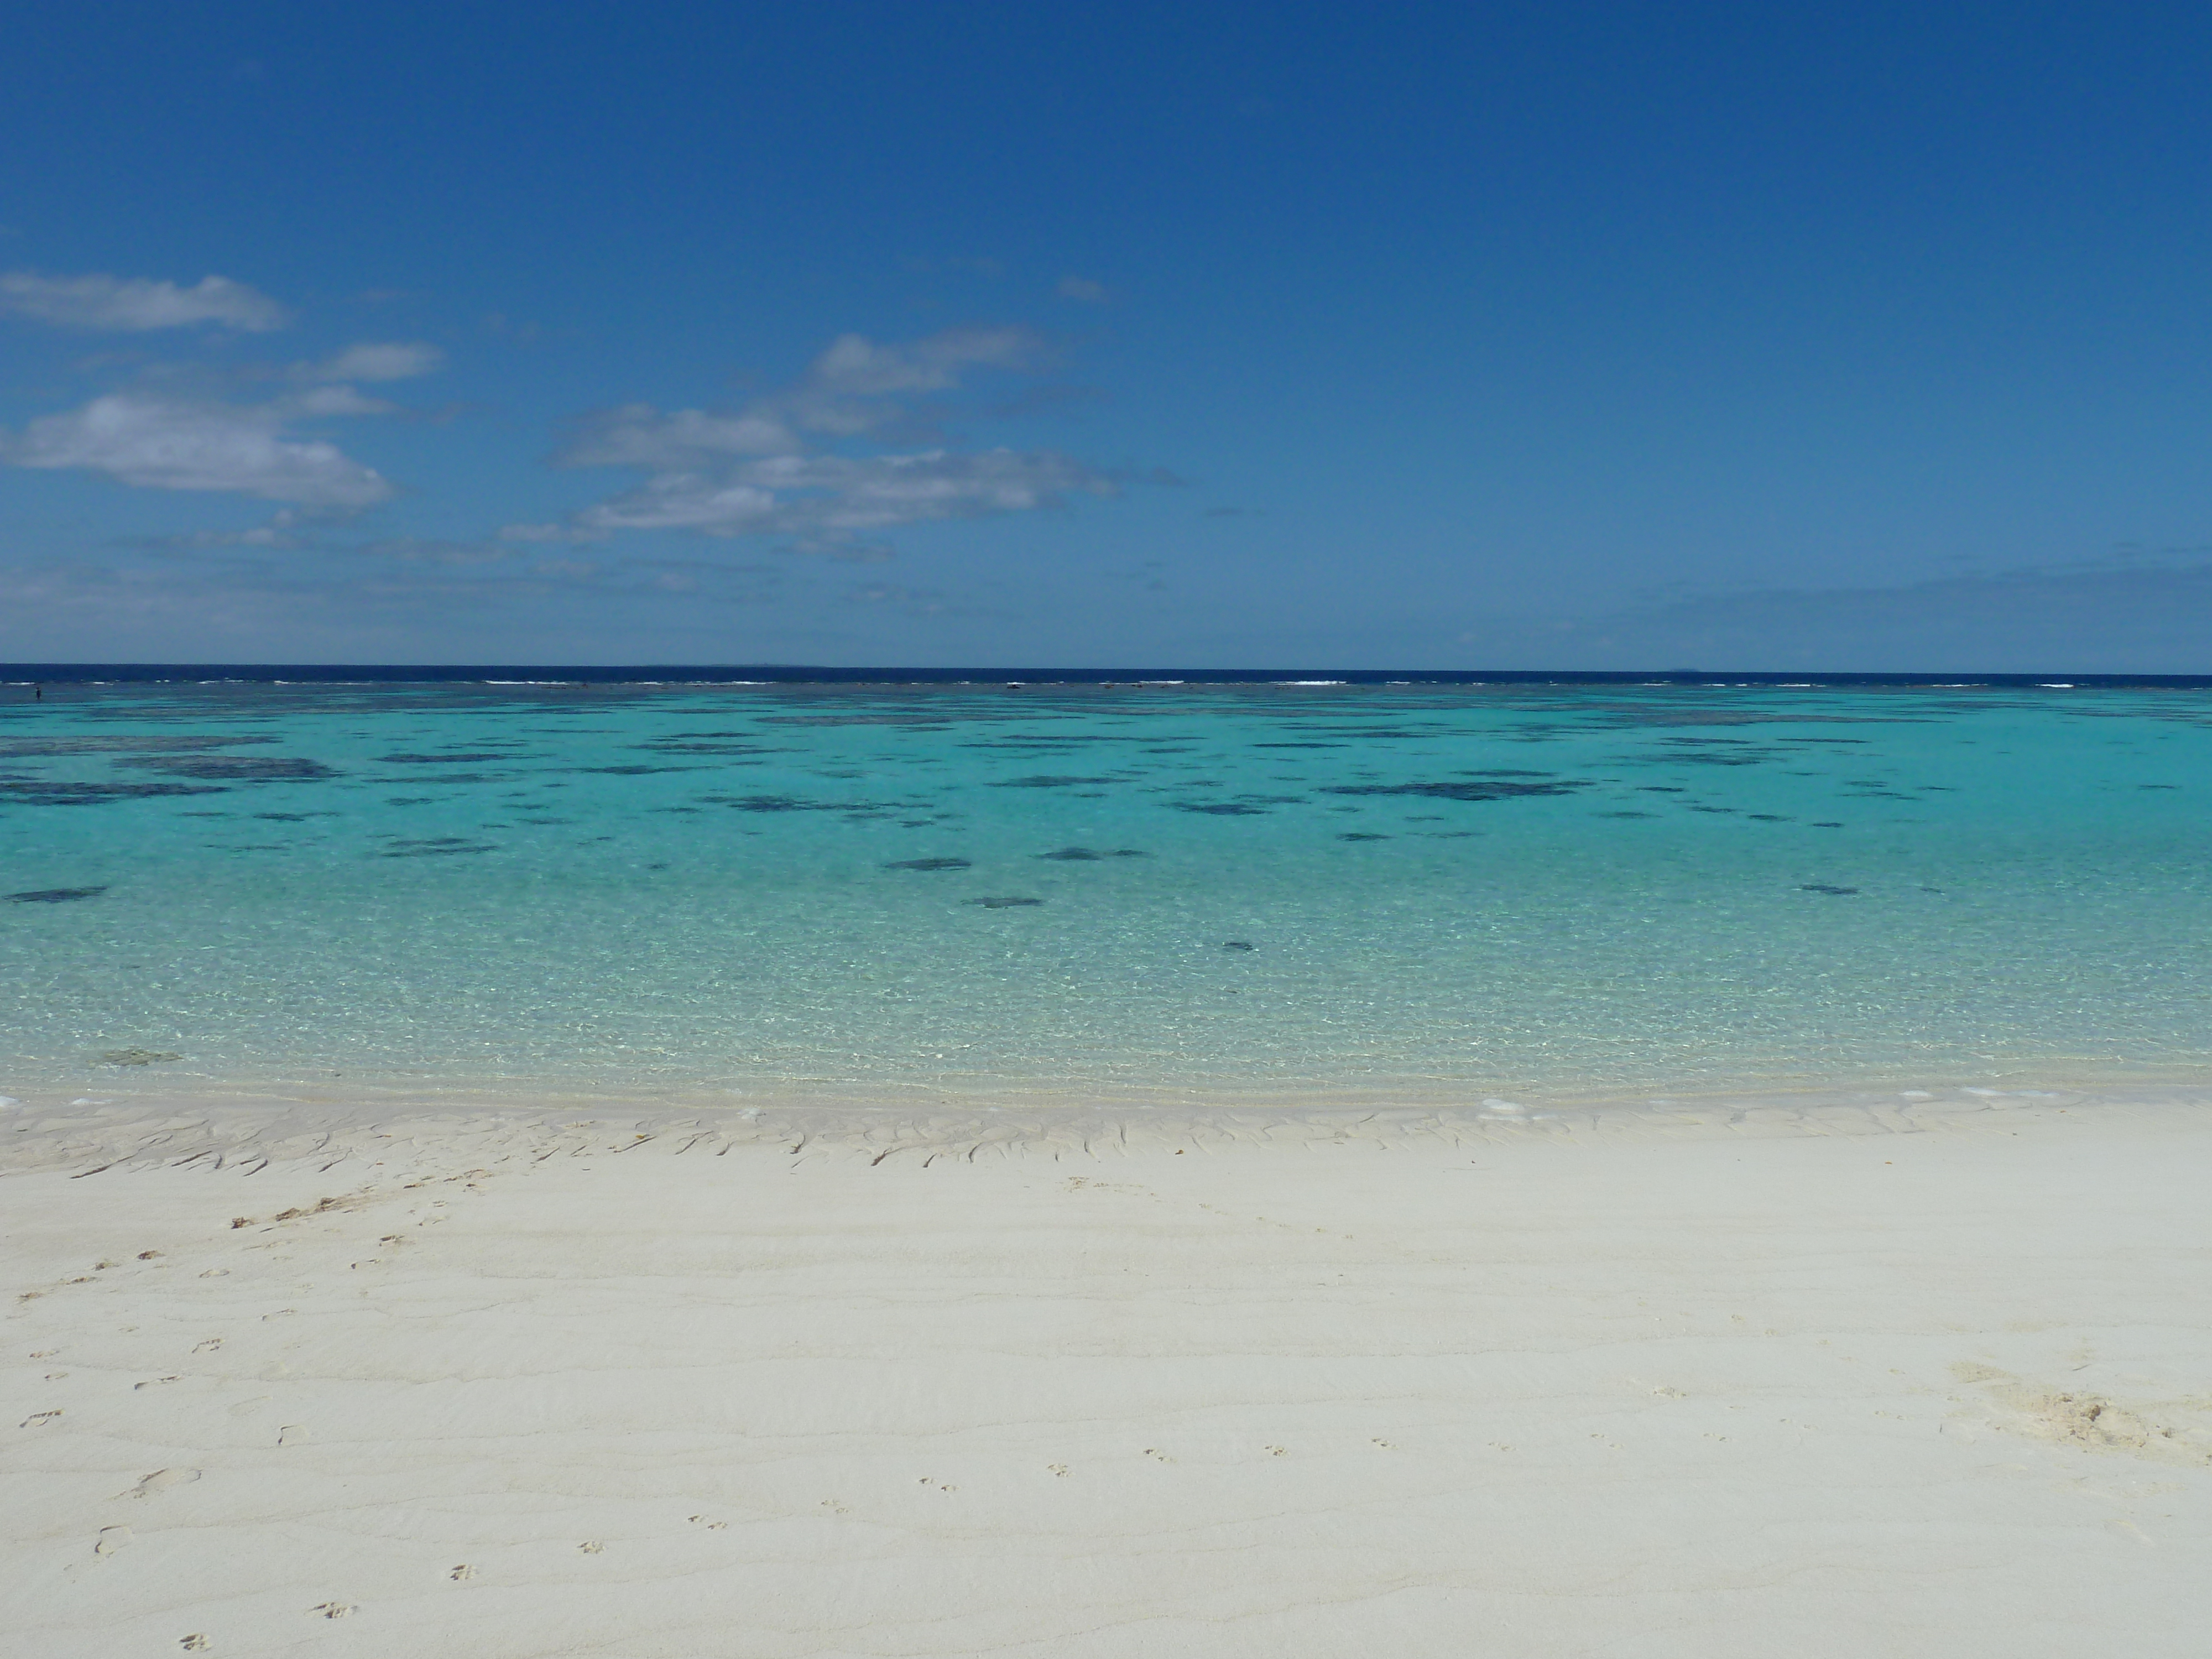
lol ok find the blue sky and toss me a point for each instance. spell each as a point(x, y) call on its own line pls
point(1536, 335)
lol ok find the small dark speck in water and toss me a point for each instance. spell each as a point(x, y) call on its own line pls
point(134, 1057)
point(927, 864)
point(1237, 944)
point(1004, 903)
point(1827, 823)
point(1360, 834)
point(1823, 887)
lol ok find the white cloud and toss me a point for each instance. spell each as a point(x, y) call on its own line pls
point(839, 495)
point(161, 444)
point(765, 470)
point(396, 361)
point(637, 435)
point(1082, 289)
point(134, 304)
point(855, 365)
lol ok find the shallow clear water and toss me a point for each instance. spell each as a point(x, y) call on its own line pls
point(750, 891)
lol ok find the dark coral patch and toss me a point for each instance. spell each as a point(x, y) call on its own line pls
point(236, 769)
point(1481, 789)
point(34, 792)
point(451, 757)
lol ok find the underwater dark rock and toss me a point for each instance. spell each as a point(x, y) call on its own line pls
point(33, 793)
point(1004, 903)
point(55, 895)
point(239, 769)
point(1823, 887)
point(26, 748)
point(1074, 855)
point(1486, 789)
point(927, 864)
point(456, 757)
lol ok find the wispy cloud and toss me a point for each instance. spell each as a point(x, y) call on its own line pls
point(1082, 289)
point(137, 303)
point(398, 362)
point(771, 468)
point(157, 444)
point(175, 431)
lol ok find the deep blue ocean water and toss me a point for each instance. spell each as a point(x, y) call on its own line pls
point(1077, 890)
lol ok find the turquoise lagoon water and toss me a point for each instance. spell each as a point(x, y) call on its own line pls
point(747, 892)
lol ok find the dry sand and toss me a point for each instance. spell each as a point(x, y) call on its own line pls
point(1919, 1378)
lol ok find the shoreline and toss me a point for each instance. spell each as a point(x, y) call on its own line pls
point(152, 1128)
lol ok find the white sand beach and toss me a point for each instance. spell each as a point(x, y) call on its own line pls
point(1929, 1378)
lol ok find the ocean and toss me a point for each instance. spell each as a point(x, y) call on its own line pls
point(1328, 888)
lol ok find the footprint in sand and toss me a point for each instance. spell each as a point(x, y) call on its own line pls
point(111, 1539)
point(591, 1547)
point(194, 1643)
point(1157, 1456)
point(332, 1609)
point(462, 1573)
point(209, 1345)
point(160, 1481)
